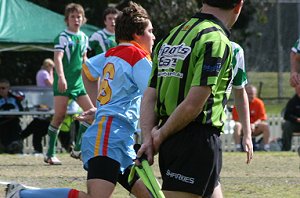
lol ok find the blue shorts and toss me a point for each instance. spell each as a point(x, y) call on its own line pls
point(111, 137)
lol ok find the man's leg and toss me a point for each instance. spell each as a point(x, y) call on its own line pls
point(287, 134)
point(217, 192)
point(237, 136)
point(60, 109)
point(86, 104)
point(263, 128)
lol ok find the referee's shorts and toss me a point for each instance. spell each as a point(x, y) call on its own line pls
point(191, 160)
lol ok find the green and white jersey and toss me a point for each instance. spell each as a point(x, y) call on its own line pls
point(296, 47)
point(195, 53)
point(238, 63)
point(74, 46)
point(101, 41)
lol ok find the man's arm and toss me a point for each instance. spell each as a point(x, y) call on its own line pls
point(147, 121)
point(62, 83)
point(91, 87)
point(295, 68)
point(186, 112)
point(242, 107)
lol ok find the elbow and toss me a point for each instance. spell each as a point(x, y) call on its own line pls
point(193, 112)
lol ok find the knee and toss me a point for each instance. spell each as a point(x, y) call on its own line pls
point(237, 128)
point(58, 119)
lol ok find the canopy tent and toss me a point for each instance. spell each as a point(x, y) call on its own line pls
point(25, 26)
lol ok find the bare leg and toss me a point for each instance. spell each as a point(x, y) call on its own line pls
point(237, 132)
point(139, 190)
point(96, 188)
point(217, 192)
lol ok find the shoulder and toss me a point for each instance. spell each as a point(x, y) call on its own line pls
point(258, 101)
point(130, 54)
point(236, 46)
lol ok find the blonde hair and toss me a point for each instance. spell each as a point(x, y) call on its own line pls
point(48, 62)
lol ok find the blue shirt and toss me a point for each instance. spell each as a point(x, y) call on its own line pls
point(124, 72)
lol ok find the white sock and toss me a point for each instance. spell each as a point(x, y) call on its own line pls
point(267, 146)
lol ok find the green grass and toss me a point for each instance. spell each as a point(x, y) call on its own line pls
point(269, 175)
point(267, 85)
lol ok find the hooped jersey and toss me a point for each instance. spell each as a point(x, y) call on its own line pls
point(124, 73)
point(74, 46)
point(196, 53)
point(296, 47)
point(239, 70)
point(101, 41)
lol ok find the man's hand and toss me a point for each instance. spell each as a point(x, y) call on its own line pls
point(145, 149)
point(87, 116)
point(157, 139)
point(248, 147)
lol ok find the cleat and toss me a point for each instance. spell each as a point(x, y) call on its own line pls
point(52, 160)
point(13, 190)
point(75, 154)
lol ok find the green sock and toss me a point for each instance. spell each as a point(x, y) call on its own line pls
point(53, 133)
point(82, 128)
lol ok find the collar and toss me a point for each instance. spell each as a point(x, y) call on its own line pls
point(214, 19)
point(136, 45)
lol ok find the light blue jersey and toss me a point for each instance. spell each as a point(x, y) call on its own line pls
point(124, 72)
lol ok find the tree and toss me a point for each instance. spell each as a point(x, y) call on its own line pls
point(165, 15)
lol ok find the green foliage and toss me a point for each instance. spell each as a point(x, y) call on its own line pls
point(166, 14)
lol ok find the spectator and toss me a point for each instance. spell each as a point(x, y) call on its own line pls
point(70, 52)
point(10, 124)
point(295, 64)
point(44, 77)
point(182, 111)
point(38, 127)
point(258, 119)
point(292, 120)
point(104, 39)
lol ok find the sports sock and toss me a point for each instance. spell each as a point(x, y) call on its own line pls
point(267, 147)
point(82, 128)
point(53, 133)
point(49, 193)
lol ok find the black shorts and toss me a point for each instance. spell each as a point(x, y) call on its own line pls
point(191, 160)
point(102, 167)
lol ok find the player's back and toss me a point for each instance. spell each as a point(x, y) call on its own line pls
point(124, 78)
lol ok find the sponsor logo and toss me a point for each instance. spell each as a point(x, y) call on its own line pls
point(178, 176)
point(171, 73)
point(212, 68)
point(169, 55)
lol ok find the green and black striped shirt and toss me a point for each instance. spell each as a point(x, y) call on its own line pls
point(195, 53)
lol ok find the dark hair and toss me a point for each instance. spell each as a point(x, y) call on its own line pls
point(110, 10)
point(225, 4)
point(132, 19)
point(5, 81)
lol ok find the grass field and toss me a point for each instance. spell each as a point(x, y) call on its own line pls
point(270, 175)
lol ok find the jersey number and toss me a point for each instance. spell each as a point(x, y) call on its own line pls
point(105, 91)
